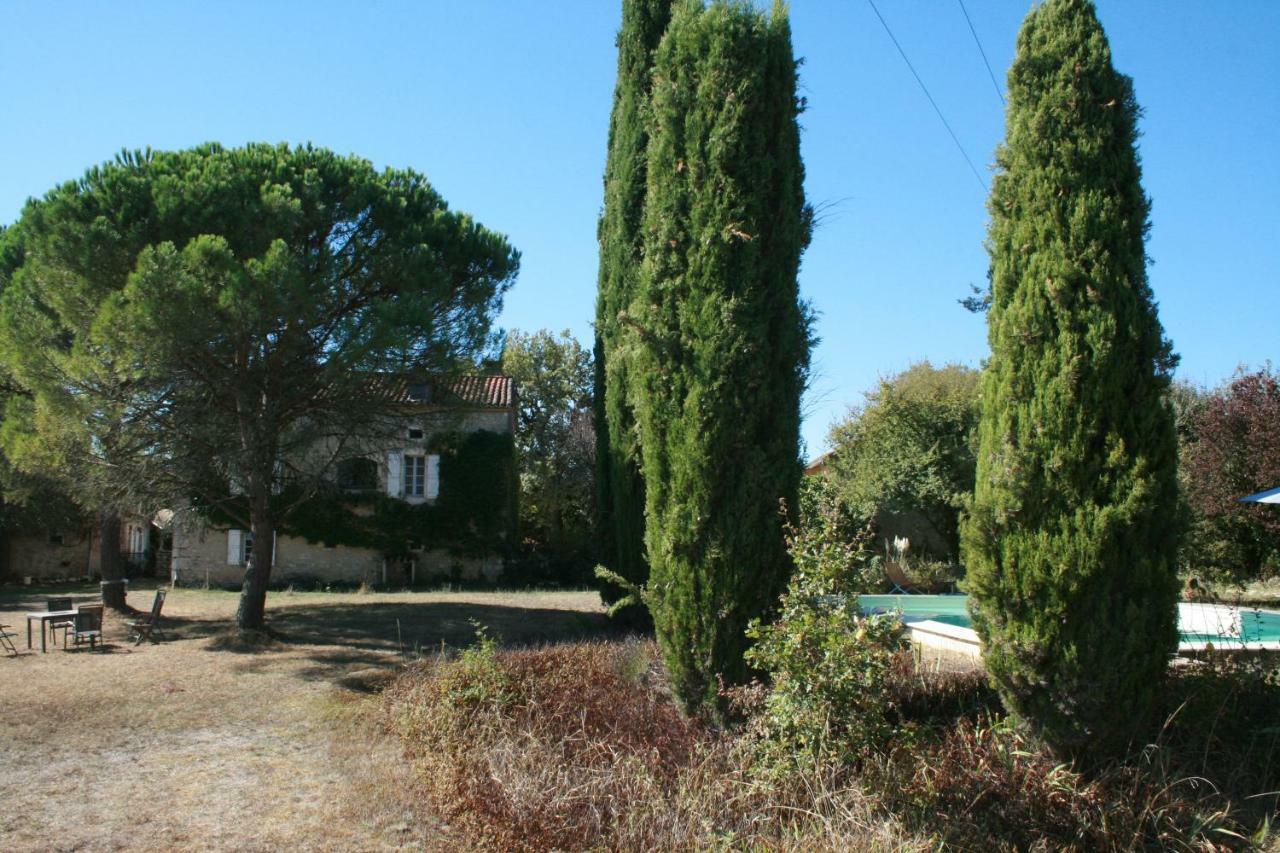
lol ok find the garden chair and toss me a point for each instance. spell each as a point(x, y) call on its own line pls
point(898, 577)
point(52, 604)
point(6, 641)
point(87, 627)
point(148, 627)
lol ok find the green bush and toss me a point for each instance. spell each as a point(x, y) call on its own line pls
point(824, 514)
point(828, 702)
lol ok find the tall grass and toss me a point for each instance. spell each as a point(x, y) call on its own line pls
point(581, 746)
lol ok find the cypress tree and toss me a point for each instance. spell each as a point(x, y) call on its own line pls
point(620, 488)
point(720, 337)
point(1068, 544)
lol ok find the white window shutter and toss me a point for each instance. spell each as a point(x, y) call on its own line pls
point(235, 547)
point(433, 477)
point(395, 479)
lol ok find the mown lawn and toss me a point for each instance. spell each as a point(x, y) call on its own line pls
point(201, 743)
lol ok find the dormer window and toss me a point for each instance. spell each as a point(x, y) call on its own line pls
point(420, 392)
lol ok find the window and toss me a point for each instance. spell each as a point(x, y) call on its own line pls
point(357, 474)
point(415, 476)
point(239, 547)
point(235, 547)
point(421, 476)
point(55, 539)
point(415, 432)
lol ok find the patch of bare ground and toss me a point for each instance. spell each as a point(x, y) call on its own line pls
point(186, 745)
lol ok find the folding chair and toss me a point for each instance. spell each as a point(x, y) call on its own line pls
point(148, 627)
point(902, 584)
point(6, 641)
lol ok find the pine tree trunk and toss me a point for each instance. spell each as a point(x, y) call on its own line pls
point(251, 615)
point(112, 567)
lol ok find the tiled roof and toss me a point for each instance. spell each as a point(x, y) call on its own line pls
point(818, 465)
point(483, 392)
point(496, 392)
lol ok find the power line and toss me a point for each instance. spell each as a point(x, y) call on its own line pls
point(978, 42)
point(925, 89)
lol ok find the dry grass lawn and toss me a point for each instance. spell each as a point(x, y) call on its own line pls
point(199, 744)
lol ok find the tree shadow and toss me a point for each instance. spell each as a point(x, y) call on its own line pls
point(356, 638)
point(417, 628)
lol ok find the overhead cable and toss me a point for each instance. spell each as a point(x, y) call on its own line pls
point(978, 42)
point(925, 89)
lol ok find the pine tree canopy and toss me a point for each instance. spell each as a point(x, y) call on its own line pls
point(187, 320)
point(1071, 539)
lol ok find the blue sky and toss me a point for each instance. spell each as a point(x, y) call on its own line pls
point(504, 106)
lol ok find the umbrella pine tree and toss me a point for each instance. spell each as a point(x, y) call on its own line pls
point(620, 487)
point(720, 338)
point(1068, 543)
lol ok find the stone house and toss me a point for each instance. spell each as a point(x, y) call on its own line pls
point(71, 551)
point(433, 499)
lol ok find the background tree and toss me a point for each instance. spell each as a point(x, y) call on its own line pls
point(721, 339)
point(1070, 546)
point(58, 435)
point(554, 440)
point(243, 304)
point(1231, 448)
point(620, 486)
point(908, 452)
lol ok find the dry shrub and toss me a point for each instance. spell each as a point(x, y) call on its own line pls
point(984, 786)
point(922, 695)
point(968, 777)
point(582, 746)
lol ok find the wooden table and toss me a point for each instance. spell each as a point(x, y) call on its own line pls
point(45, 616)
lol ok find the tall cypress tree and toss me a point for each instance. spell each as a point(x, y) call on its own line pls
point(1069, 544)
point(619, 482)
point(720, 337)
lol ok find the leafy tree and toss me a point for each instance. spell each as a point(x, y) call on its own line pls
point(620, 486)
point(721, 340)
point(48, 463)
point(229, 318)
point(1231, 449)
point(554, 438)
point(1070, 546)
point(909, 450)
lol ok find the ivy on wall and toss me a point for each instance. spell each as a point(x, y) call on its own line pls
point(473, 516)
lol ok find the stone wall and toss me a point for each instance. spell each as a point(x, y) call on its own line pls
point(200, 558)
point(37, 555)
point(34, 556)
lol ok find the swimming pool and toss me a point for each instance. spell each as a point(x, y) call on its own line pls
point(1199, 625)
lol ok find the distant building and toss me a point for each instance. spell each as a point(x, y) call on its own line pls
point(820, 464)
point(423, 464)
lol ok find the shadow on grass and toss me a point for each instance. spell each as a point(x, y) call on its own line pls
point(423, 627)
point(360, 636)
